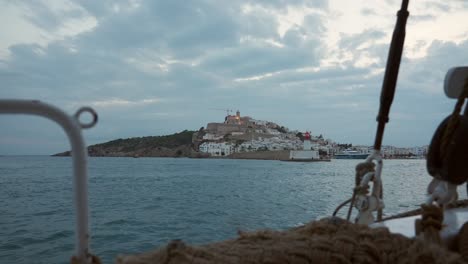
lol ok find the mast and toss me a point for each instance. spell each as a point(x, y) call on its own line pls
point(391, 72)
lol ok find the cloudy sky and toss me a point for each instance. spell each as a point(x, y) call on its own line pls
point(158, 67)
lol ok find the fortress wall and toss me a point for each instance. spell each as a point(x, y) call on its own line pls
point(212, 127)
point(221, 128)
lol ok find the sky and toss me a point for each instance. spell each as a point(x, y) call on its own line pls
point(158, 67)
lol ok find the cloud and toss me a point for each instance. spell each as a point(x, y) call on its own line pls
point(426, 74)
point(42, 23)
point(281, 4)
point(439, 6)
point(159, 66)
point(422, 18)
point(251, 61)
point(116, 102)
point(368, 12)
point(354, 41)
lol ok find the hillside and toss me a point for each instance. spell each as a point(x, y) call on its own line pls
point(175, 145)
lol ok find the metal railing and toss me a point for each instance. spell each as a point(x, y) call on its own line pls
point(72, 127)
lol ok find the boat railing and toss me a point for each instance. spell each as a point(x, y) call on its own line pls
point(72, 127)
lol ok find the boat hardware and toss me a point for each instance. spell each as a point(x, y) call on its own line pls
point(72, 127)
point(448, 151)
point(365, 203)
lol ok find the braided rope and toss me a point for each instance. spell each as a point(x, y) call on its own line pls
point(454, 121)
point(94, 260)
point(323, 241)
point(430, 224)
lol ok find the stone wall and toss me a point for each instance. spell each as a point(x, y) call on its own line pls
point(262, 155)
point(222, 129)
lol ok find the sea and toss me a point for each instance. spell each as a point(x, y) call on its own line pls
point(139, 204)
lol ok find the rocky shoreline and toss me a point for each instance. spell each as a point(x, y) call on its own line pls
point(261, 155)
point(180, 151)
point(183, 152)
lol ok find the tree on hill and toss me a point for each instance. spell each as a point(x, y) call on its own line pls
point(137, 145)
point(282, 129)
point(300, 136)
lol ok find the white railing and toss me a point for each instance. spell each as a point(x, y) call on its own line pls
point(72, 127)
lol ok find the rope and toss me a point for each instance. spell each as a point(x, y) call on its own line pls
point(454, 121)
point(380, 211)
point(94, 260)
point(338, 208)
point(429, 226)
point(323, 241)
point(456, 204)
point(361, 170)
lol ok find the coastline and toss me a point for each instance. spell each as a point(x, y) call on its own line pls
point(253, 155)
point(257, 155)
point(261, 155)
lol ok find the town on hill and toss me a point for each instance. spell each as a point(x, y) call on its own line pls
point(241, 137)
point(238, 135)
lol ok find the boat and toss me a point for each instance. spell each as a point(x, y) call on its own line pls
point(351, 154)
point(435, 233)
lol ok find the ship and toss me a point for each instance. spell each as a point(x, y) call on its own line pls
point(351, 154)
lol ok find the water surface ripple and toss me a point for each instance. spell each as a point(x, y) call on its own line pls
point(139, 204)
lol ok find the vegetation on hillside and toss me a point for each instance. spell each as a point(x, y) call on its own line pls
point(132, 144)
point(175, 145)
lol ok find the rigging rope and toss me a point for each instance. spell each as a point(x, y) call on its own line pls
point(361, 169)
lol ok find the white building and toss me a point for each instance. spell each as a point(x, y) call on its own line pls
point(402, 151)
point(388, 151)
point(273, 131)
point(419, 151)
point(209, 136)
point(304, 155)
point(274, 143)
point(217, 149)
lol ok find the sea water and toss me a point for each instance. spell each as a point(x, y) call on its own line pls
point(140, 204)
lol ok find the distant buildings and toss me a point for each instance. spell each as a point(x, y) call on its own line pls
point(395, 152)
point(217, 149)
point(244, 134)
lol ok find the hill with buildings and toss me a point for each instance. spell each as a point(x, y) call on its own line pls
point(241, 136)
point(236, 137)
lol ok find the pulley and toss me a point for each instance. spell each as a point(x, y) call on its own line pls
point(447, 158)
point(453, 165)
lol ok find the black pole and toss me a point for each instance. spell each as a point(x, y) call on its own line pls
point(391, 72)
